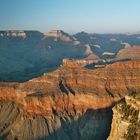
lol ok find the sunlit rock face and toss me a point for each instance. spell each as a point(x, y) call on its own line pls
point(69, 103)
point(20, 34)
point(129, 53)
point(59, 35)
point(126, 117)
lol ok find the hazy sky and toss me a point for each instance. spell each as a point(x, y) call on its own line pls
point(71, 15)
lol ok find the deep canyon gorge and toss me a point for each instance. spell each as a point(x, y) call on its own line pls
point(56, 86)
point(70, 103)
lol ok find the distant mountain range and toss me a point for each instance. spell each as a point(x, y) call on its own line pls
point(28, 54)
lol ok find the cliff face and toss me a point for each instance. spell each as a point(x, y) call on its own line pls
point(69, 103)
point(62, 126)
point(20, 34)
point(129, 53)
point(126, 117)
point(59, 35)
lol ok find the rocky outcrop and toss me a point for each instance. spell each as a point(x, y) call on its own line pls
point(108, 53)
point(69, 103)
point(20, 34)
point(126, 119)
point(129, 52)
point(90, 54)
point(59, 35)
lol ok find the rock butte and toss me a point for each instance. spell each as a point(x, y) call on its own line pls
point(59, 35)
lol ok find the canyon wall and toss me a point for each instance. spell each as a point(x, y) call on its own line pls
point(69, 103)
point(126, 117)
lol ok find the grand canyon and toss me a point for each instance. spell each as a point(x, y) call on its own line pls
point(57, 86)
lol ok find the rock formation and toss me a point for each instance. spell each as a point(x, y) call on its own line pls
point(108, 53)
point(90, 54)
point(59, 35)
point(35, 54)
point(38, 52)
point(129, 53)
point(20, 34)
point(69, 103)
point(126, 119)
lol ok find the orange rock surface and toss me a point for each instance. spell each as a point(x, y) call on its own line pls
point(74, 89)
point(129, 52)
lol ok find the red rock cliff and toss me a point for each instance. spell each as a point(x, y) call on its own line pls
point(68, 104)
point(71, 87)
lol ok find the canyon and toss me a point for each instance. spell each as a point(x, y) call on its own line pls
point(72, 102)
point(28, 54)
point(57, 86)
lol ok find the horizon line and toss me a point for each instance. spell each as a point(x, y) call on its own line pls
point(27, 30)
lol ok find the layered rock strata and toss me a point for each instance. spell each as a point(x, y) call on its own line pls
point(69, 103)
point(129, 53)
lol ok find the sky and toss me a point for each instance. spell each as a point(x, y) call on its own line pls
point(93, 16)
